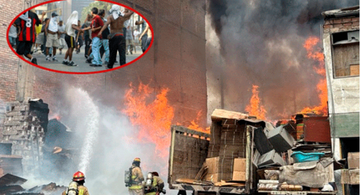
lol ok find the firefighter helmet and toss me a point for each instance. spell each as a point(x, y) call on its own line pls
point(78, 176)
point(136, 159)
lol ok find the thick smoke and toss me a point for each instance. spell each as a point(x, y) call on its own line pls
point(261, 43)
point(106, 143)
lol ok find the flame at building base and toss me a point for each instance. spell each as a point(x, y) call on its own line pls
point(150, 111)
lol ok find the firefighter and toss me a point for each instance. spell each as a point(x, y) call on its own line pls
point(77, 187)
point(136, 187)
point(154, 185)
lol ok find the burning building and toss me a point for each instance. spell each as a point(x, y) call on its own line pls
point(175, 64)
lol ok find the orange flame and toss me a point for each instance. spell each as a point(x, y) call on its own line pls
point(54, 116)
point(153, 118)
point(315, 53)
point(195, 126)
point(255, 108)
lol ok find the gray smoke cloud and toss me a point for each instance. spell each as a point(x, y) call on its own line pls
point(110, 143)
point(261, 43)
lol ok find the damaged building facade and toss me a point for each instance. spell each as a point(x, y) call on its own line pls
point(341, 51)
point(22, 136)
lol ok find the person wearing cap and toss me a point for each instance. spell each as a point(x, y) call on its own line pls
point(79, 179)
point(136, 187)
point(51, 32)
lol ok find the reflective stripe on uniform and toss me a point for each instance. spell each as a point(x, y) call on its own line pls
point(81, 191)
point(154, 184)
point(135, 187)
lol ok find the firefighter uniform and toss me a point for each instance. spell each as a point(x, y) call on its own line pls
point(137, 177)
point(156, 186)
point(79, 178)
point(82, 190)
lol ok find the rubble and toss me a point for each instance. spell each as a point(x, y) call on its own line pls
point(10, 184)
point(310, 174)
point(24, 128)
point(238, 142)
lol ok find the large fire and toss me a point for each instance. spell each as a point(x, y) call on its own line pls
point(255, 108)
point(153, 118)
point(152, 114)
point(315, 53)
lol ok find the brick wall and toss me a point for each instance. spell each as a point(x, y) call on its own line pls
point(341, 24)
point(176, 61)
point(9, 61)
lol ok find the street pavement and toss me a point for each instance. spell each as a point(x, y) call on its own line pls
point(79, 59)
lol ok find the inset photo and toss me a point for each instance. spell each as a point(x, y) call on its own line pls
point(80, 37)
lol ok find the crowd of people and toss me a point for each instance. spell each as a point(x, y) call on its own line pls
point(102, 36)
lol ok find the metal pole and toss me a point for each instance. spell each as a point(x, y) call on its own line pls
point(248, 157)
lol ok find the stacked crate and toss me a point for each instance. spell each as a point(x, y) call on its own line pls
point(25, 131)
point(215, 139)
point(227, 142)
point(233, 145)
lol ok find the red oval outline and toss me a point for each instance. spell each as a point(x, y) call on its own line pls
point(65, 72)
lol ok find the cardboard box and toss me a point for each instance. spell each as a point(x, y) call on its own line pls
point(354, 70)
point(353, 160)
point(354, 177)
point(240, 164)
point(351, 177)
point(239, 171)
point(212, 164)
point(239, 176)
point(213, 177)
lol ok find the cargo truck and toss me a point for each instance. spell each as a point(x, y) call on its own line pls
point(232, 138)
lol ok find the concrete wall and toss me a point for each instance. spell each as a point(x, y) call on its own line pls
point(176, 61)
point(343, 92)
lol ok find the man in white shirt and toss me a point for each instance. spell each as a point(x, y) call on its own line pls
point(62, 34)
point(51, 32)
point(70, 27)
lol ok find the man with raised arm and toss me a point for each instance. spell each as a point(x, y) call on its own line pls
point(116, 20)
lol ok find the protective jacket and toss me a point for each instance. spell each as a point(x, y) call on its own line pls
point(136, 178)
point(156, 186)
point(82, 190)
